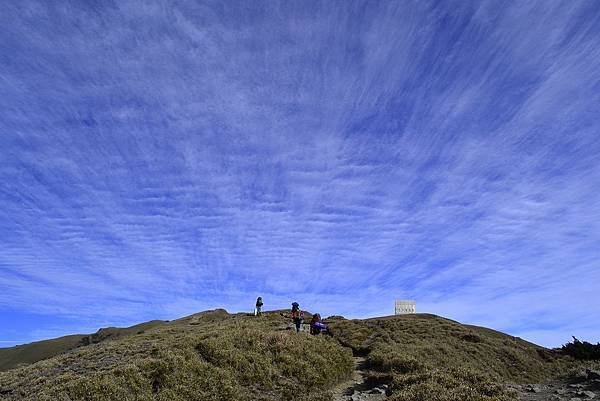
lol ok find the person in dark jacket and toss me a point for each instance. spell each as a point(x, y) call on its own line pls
point(259, 305)
point(297, 316)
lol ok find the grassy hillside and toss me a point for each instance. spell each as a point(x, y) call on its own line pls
point(22, 355)
point(217, 356)
point(425, 357)
point(208, 356)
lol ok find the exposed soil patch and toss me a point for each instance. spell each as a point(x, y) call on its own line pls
point(357, 388)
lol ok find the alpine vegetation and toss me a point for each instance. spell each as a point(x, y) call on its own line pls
point(214, 355)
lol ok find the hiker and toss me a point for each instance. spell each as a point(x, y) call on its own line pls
point(316, 325)
point(259, 304)
point(314, 330)
point(297, 316)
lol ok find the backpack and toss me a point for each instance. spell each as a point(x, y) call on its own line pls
point(297, 313)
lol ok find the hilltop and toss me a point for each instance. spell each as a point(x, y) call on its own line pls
point(215, 355)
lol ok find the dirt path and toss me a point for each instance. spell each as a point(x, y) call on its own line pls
point(356, 389)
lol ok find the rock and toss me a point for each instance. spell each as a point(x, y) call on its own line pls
point(532, 388)
point(592, 374)
point(575, 399)
point(576, 386)
point(561, 391)
point(586, 394)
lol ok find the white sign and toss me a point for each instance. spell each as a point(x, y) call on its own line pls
point(406, 306)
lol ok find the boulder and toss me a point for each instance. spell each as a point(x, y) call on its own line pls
point(5, 391)
point(532, 388)
point(592, 374)
point(586, 394)
point(576, 386)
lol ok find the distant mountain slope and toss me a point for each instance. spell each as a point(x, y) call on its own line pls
point(30, 353)
point(214, 355)
point(26, 354)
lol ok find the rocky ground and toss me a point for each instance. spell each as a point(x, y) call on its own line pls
point(356, 389)
point(585, 388)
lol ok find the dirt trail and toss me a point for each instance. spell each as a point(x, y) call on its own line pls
point(356, 389)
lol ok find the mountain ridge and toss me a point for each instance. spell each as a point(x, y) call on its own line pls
point(214, 355)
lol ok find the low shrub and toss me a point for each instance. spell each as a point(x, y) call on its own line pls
point(582, 350)
point(388, 360)
point(457, 384)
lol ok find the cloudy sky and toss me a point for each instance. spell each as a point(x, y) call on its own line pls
point(163, 158)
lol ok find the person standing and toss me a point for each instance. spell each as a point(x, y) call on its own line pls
point(259, 305)
point(297, 316)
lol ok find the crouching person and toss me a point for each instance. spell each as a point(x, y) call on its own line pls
point(316, 326)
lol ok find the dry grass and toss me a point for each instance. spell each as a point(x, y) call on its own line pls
point(209, 356)
point(426, 357)
point(452, 384)
point(23, 355)
point(217, 356)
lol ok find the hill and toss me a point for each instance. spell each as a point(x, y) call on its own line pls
point(396, 343)
point(427, 357)
point(214, 355)
point(26, 354)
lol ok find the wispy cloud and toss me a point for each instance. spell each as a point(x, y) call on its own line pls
point(159, 160)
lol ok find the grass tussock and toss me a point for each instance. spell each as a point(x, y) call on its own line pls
point(455, 384)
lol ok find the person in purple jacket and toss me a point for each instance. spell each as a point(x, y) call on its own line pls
point(316, 326)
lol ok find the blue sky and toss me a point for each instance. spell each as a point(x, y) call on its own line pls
point(162, 158)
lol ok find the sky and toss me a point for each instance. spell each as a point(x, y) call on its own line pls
point(158, 159)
